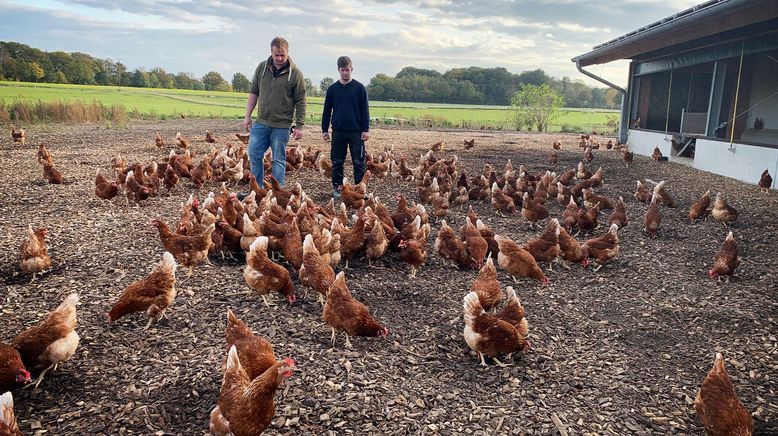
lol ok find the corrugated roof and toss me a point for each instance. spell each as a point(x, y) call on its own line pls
point(705, 19)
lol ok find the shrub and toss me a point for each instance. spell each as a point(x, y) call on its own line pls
point(26, 112)
point(570, 128)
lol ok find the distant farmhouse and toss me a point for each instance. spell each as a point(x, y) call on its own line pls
point(703, 86)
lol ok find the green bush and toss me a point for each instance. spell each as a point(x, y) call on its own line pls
point(28, 112)
point(570, 128)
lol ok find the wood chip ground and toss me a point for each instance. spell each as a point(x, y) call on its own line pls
point(620, 351)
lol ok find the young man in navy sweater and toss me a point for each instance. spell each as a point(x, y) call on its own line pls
point(346, 106)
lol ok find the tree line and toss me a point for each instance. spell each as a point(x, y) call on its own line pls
point(20, 62)
point(489, 86)
point(473, 85)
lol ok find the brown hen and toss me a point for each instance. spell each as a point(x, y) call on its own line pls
point(718, 406)
point(52, 341)
point(264, 275)
point(486, 334)
point(246, 406)
point(726, 259)
point(343, 312)
point(153, 294)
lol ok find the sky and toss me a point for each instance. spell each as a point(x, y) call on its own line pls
point(380, 36)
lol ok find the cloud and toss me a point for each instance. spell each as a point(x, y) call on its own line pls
point(382, 36)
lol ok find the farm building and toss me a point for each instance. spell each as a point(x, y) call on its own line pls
point(703, 87)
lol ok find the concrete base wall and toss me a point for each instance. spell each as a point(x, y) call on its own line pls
point(743, 162)
point(643, 142)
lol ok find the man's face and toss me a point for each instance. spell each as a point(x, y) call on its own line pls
point(345, 73)
point(280, 56)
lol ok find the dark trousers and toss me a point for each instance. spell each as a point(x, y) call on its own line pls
point(343, 141)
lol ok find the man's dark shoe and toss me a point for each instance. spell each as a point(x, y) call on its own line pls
point(336, 193)
point(242, 195)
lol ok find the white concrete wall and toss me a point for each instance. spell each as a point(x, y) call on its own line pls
point(745, 163)
point(643, 142)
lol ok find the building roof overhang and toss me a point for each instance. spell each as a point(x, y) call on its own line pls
point(706, 19)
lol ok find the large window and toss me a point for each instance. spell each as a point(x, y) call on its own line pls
point(726, 99)
point(668, 96)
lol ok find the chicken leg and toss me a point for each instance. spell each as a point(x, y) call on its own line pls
point(154, 315)
point(483, 362)
point(40, 377)
point(500, 364)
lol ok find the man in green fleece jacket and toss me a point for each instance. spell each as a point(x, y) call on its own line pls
point(279, 87)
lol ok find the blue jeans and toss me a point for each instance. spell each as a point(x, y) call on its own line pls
point(262, 138)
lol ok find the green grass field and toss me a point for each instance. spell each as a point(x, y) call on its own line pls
point(164, 103)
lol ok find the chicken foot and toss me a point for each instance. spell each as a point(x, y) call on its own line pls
point(40, 377)
point(500, 364)
point(155, 319)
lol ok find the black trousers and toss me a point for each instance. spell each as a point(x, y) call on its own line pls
point(343, 141)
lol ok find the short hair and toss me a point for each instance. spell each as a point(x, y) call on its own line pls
point(344, 62)
point(279, 42)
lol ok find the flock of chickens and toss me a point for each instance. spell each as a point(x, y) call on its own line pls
point(314, 239)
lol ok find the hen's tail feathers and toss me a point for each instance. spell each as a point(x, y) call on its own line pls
point(7, 410)
point(472, 307)
point(231, 318)
point(169, 261)
point(512, 295)
point(259, 244)
point(70, 301)
point(718, 364)
point(308, 245)
point(233, 362)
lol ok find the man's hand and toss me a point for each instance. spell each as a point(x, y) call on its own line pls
point(297, 133)
point(365, 136)
point(247, 123)
point(325, 136)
